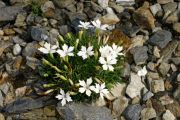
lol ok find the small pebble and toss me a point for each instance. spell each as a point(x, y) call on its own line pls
point(17, 49)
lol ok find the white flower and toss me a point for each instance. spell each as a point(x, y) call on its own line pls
point(101, 90)
point(48, 48)
point(116, 50)
point(107, 63)
point(63, 97)
point(98, 25)
point(105, 51)
point(142, 72)
point(86, 52)
point(66, 51)
point(85, 25)
point(86, 86)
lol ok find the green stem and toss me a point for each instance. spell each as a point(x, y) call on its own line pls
point(51, 65)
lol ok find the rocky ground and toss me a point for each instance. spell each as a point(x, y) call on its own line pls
point(152, 27)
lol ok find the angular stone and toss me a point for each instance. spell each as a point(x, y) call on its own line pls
point(20, 20)
point(26, 104)
point(17, 49)
point(119, 106)
point(148, 113)
point(173, 18)
point(32, 62)
point(143, 17)
point(139, 54)
point(4, 45)
point(126, 2)
point(63, 3)
point(118, 90)
point(164, 68)
point(37, 33)
point(157, 86)
point(83, 112)
point(164, 1)
point(165, 100)
point(174, 108)
point(147, 95)
point(103, 3)
point(176, 27)
point(155, 8)
point(158, 106)
point(161, 38)
point(109, 19)
point(170, 7)
point(2, 116)
point(48, 9)
point(135, 86)
point(31, 49)
point(9, 13)
point(132, 112)
point(168, 115)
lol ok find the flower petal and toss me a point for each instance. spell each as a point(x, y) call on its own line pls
point(63, 102)
point(88, 92)
point(82, 90)
point(89, 81)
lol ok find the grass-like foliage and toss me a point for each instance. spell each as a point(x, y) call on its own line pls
point(78, 76)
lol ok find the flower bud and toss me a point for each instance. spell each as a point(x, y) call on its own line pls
point(61, 38)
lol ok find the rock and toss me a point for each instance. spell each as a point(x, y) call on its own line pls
point(20, 20)
point(178, 77)
point(63, 3)
point(19, 41)
point(25, 104)
point(9, 31)
point(155, 8)
point(168, 116)
point(176, 60)
point(2, 4)
point(1, 101)
point(9, 13)
point(164, 1)
point(148, 113)
point(158, 106)
point(139, 54)
point(176, 93)
point(161, 38)
point(165, 100)
point(157, 86)
point(103, 3)
point(32, 62)
point(109, 19)
point(169, 7)
point(151, 66)
point(164, 68)
point(135, 86)
point(53, 22)
point(2, 116)
point(147, 95)
point(20, 92)
point(138, 41)
point(37, 33)
point(174, 108)
point(127, 70)
point(172, 18)
point(119, 106)
point(36, 114)
point(30, 49)
point(156, 52)
point(1, 32)
point(49, 111)
point(118, 90)
point(116, 7)
point(143, 17)
point(176, 27)
point(177, 52)
point(63, 30)
point(168, 51)
point(4, 88)
point(4, 45)
point(126, 2)
point(132, 112)
point(17, 49)
point(48, 9)
point(81, 111)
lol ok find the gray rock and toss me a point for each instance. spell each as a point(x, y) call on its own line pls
point(96, 7)
point(168, 115)
point(20, 20)
point(63, 3)
point(132, 112)
point(31, 49)
point(5, 88)
point(170, 7)
point(148, 113)
point(176, 60)
point(126, 2)
point(9, 13)
point(32, 62)
point(2, 4)
point(103, 3)
point(164, 1)
point(63, 29)
point(4, 45)
point(176, 27)
point(1, 100)
point(19, 41)
point(17, 49)
point(176, 93)
point(127, 70)
point(161, 38)
point(155, 8)
point(139, 54)
point(164, 68)
point(79, 111)
point(147, 95)
point(157, 86)
point(37, 33)
point(25, 104)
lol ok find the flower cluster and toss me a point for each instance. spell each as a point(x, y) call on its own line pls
point(81, 67)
